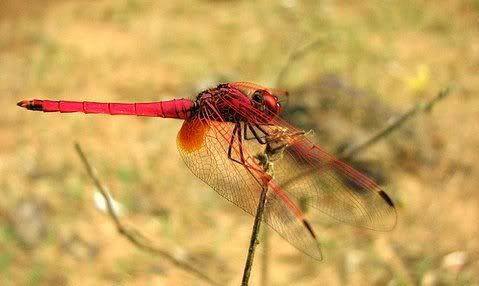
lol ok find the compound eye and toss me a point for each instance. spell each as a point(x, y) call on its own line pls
point(257, 96)
point(271, 103)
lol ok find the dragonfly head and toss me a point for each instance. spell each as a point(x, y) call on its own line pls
point(266, 101)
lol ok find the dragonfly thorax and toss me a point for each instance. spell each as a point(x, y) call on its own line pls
point(228, 104)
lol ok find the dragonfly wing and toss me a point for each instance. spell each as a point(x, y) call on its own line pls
point(203, 145)
point(308, 173)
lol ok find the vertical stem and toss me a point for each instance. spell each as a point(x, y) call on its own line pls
point(254, 235)
point(265, 258)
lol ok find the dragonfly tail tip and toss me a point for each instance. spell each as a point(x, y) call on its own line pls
point(31, 104)
point(23, 103)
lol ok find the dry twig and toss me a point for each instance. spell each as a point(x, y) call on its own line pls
point(265, 258)
point(267, 165)
point(133, 235)
point(353, 150)
point(276, 143)
point(294, 56)
point(394, 125)
point(254, 236)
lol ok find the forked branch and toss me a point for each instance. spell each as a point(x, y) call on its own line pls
point(133, 235)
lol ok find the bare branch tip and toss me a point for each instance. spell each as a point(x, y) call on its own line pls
point(131, 234)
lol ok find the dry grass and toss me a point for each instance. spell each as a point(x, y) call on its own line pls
point(135, 50)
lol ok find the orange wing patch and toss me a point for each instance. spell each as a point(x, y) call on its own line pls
point(192, 135)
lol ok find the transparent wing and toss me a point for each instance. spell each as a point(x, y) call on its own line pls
point(309, 174)
point(203, 145)
point(334, 188)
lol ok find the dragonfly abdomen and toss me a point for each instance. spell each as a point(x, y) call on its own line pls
point(176, 108)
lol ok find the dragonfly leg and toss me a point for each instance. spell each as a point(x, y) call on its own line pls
point(245, 130)
point(247, 126)
point(240, 139)
point(236, 133)
point(279, 147)
point(260, 139)
point(261, 129)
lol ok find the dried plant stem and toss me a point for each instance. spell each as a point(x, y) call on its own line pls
point(134, 236)
point(265, 257)
point(294, 56)
point(254, 235)
point(394, 125)
point(345, 155)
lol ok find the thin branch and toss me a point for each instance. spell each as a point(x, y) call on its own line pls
point(133, 235)
point(294, 56)
point(276, 143)
point(265, 258)
point(254, 235)
point(394, 125)
point(267, 166)
point(349, 153)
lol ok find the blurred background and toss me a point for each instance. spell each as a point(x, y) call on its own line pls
point(375, 60)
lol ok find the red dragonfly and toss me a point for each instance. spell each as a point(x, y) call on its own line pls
point(223, 130)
